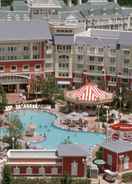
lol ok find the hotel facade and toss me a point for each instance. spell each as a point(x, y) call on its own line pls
point(103, 56)
point(34, 49)
point(22, 53)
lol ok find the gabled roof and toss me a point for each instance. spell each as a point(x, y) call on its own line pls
point(117, 146)
point(69, 150)
point(24, 30)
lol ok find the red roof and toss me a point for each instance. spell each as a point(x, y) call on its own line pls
point(89, 93)
point(122, 126)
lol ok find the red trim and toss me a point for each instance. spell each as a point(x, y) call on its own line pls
point(122, 126)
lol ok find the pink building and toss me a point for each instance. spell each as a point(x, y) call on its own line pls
point(67, 159)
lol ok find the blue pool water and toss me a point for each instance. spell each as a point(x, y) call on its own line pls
point(43, 122)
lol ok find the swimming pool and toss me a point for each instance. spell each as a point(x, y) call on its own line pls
point(44, 125)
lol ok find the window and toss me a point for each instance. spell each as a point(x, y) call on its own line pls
point(113, 51)
point(100, 49)
point(37, 67)
point(99, 68)
point(36, 56)
point(26, 57)
point(80, 57)
point(35, 47)
point(74, 168)
point(42, 171)
point(91, 58)
point(112, 69)
point(63, 57)
point(13, 68)
point(100, 59)
point(26, 68)
point(54, 171)
point(35, 12)
point(126, 52)
point(92, 49)
point(109, 159)
point(16, 171)
point(25, 48)
point(113, 79)
point(80, 66)
point(1, 68)
point(126, 70)
point(11, 49)
point(91, 67)
point(126, 162)
point(126, 61)
point(29, 171)
point(48, 65)
point(112, 60)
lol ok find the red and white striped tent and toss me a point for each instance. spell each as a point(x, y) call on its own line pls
point(88, 94)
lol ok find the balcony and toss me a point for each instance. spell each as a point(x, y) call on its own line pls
point(13, 79)
point(49, 60)
point(111, 83)
point(49, 51)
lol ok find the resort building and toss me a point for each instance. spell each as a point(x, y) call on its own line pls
point(22, 53)
point(101, 14)
point(104, 56)
point(44, 8)
point(68, 158)
point(117, 155)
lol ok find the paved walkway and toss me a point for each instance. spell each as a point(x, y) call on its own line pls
point(105, 182)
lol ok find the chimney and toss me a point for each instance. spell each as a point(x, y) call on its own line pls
point(79, 2)
point(69, 2)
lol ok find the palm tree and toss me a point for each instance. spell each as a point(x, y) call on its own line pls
point(15, 131)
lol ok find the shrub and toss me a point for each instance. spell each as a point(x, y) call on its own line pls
point(7, 177)
point(127, 177)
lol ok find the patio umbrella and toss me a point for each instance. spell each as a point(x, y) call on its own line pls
point(73, 113)
point(84, 113)
point(99, 162)
point(73, 118)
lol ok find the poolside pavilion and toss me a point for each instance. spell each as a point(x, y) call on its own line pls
point(88, 95)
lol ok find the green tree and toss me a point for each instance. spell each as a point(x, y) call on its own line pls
point(125, 2)
point(2, 99)
point(7, 176)
point(50, 90)
point(15, 131)
point(99, 153)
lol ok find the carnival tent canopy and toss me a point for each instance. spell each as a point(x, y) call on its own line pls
point(88, 94)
